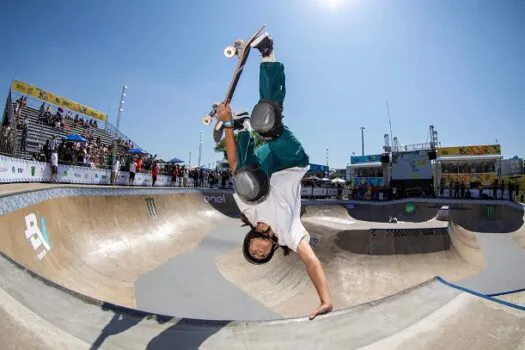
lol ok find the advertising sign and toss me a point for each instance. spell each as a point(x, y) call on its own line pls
point(318, 168)
point(476, 150)
point(365, 159)
point(486, 179)
point(411, 166)
point(47, 96)
point(369, 181)
point(19, 170)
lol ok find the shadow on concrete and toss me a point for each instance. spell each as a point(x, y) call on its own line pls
point(186, 334)
point(122, 320)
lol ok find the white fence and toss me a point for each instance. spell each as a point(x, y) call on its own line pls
point(19, 170)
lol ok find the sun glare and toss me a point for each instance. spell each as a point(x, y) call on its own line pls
point(332, 4)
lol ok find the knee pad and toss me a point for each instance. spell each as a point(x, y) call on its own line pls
point(266, 119)
point(251, 184)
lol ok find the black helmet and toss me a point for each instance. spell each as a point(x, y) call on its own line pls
point(246, 247)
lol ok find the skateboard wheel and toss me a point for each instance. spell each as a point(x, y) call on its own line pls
point(230, 51)
point(206, 120)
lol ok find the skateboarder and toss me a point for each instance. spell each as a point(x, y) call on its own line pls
point(267, 180)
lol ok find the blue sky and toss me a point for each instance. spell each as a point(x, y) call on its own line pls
point(456, 64)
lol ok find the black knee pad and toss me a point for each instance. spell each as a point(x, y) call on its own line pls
point(251, 184)
point(266, 119)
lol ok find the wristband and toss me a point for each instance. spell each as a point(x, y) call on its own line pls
point(228, 124)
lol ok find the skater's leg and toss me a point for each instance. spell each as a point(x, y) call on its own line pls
point(245, 149)
point(247, 154)
point(287, 151)
point(272, 82)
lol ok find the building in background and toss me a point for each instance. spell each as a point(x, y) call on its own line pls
point(471, 166)
point(512, 166)
point(365, 171)
point(412, 173)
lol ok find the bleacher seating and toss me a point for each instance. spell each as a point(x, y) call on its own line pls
point(38, 133)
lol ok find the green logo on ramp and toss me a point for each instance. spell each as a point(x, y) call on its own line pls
point(410, 208)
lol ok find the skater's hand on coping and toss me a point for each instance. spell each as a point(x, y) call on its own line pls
point(324, 308)
point(224, 113)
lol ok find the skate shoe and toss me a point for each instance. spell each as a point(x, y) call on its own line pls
point(241, 121)
point(264, 43)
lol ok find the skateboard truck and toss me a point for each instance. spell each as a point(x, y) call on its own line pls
point(234, 49)
point(209, 117)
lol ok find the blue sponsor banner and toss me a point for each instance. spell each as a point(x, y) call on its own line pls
point(365, 159)
point(369, 181)
point(318, 168)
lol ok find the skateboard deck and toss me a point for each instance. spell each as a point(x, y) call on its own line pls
point(241, 49)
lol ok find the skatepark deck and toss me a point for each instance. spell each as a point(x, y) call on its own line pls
point(176, 253)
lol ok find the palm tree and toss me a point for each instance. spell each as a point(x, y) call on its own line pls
point(221, 146)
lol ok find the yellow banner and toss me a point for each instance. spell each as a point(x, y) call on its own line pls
point(485, 179)
point(56, 100)
point(469, 150)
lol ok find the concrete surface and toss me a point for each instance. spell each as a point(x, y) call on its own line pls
point(166, 251)
point(190, 285)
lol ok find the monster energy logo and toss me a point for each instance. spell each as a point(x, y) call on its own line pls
point(410, 208)
point(150, 202)
point(490, 212)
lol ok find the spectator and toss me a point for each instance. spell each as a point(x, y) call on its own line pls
point(132, 171)
point(54, 166)
point(139, 164)
point(155, 172)
point(115, 172)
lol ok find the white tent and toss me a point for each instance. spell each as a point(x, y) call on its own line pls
point(338, 180)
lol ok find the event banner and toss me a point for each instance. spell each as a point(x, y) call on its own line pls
point(56, 100)
point(369, 181)
point(478, 150)
point(486, 179)
point(365, 159)
point(20, 170)
point(318, 191)
point(411, 166)
point(318, 168)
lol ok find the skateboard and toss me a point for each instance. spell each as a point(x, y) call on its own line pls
point(241, 49)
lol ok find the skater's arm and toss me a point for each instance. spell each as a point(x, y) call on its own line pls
point(231, 149)
point(316, 272)
point(224, 114)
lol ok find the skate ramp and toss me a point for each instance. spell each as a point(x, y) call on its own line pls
point(99, 245)
point(394, 240)
point(405, 210)
point(493, 216)
point(159, 252)
point(355, 277)
point(109, 245)
point(430, 315)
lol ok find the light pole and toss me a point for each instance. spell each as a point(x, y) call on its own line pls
point(327, 167)
point(119, 114)
point(362, 140)
point(200, 149)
